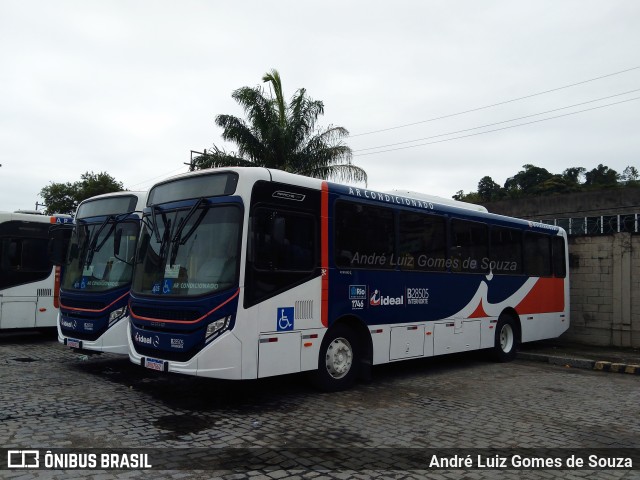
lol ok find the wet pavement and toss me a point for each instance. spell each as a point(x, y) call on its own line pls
point(392, 427)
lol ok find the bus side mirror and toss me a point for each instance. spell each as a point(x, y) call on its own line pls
point(117, 240)
point(58, 246)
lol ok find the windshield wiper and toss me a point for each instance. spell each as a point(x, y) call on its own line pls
point(94, 240)
point(82, 252)
point(166, 236)
point(115, 221)
point(154, 224)
point(179, 239)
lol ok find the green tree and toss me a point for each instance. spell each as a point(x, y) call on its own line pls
point(601, 177)
point(630, 176)
point(65, 197)
point(525, 181)
point(282, 135)
point(471, 197)
point(556, 184)
point(488, 190)
point(573, 174)
point(59, 198)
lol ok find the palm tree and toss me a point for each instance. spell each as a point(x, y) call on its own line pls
point(283, 136)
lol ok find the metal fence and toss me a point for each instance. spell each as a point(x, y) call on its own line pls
point(602, 225)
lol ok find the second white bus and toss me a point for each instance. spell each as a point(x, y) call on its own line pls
point(97, 275)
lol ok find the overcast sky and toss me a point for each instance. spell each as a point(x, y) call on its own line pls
point(130, 87)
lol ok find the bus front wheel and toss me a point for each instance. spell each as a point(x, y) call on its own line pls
point(338, 360)
point(507, 339)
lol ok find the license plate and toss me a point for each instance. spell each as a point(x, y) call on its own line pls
point(73, 343)
point(154, 364)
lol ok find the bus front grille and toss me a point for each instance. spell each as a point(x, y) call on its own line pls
point(69, 303)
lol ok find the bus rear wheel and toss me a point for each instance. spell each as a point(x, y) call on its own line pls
point(507, 339)
point(338, 361)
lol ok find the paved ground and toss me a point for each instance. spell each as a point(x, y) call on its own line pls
point(54, 398)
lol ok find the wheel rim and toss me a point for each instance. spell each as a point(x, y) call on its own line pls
point(506, 338)
point(339, 358)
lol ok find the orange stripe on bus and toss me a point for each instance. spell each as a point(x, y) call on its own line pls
point(56, 287)
point(184, 322)
point(93, 310)
point(546, 296)
point(324, 247)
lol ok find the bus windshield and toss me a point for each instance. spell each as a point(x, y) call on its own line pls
point(189, 252)
point(94, 264)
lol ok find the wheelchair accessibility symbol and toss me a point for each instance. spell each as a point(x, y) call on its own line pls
point(285, 319)
point(167, 286)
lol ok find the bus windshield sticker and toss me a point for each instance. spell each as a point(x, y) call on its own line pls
point(285, 319)
point(167, 286)
point(171, 271)
point(162, 288)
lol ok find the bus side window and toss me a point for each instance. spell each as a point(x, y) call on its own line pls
point(4, 254)
point(422, 242)
point(558, 257)
point(34, 255)
point(23, 254)
point(364, 236)
point(283, 241)
point(282, 252)
point(469, 246)
point(506, 251)
point(15, 254)
point(537, 254)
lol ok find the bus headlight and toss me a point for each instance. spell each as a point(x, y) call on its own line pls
point(217, 326)
point(117, 314)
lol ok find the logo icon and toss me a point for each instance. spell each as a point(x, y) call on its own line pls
point(374, 301)
point(285, 318)
point(377, 299)
point(357, 292)
point(296, 197)
point(23, 459)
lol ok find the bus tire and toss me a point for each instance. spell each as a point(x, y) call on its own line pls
point(338, 361)
point(507, 339)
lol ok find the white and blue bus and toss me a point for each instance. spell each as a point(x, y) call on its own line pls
point(246, 273)
point(98, 267)
point(29, 282)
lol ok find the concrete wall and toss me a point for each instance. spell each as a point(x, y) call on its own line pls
point(605, 290)
point(584, 204)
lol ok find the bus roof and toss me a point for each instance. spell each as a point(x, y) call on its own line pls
point(23, 216)
point(101, 205)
